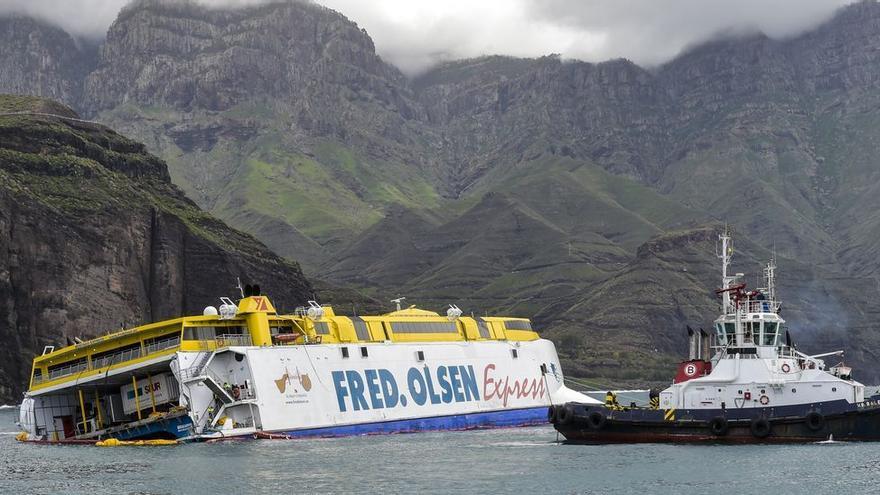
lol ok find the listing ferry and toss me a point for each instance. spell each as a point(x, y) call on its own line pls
point(243, 370)
point(751, 386)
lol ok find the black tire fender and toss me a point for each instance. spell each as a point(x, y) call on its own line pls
point(760, 427)
point(718, 426)
point(596, 420)
point(814, 420)
point(565, 414)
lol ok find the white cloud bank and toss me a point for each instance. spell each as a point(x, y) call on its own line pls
point(415, 34)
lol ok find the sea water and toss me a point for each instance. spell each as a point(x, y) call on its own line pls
point(512, 460)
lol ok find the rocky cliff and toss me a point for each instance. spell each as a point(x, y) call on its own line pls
point(94, 238)
point(44, 60)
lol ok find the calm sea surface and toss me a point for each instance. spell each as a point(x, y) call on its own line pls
point(518, 460)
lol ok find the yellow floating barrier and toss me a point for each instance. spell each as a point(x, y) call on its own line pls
point(22, 436)
point(112, 442)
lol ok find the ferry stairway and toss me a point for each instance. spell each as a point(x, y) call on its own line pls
point(200, 372)
point(199, 365)
point(218, 389)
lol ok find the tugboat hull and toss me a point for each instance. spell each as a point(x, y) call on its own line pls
point(591, 424)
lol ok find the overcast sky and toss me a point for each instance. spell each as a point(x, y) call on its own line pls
point(414, 34)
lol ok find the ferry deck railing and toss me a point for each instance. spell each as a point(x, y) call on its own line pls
point(109, 359)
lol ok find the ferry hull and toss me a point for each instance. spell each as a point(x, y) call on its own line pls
point(840, 422)
point(496, 419)
point(313, 391)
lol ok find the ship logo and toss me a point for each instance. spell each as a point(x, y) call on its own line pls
point(286, 378)
point(281, 383)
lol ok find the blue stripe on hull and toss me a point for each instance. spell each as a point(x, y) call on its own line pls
point(494, 419)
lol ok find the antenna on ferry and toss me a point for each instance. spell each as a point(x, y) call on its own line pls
point(239, 286)
point(398, 301)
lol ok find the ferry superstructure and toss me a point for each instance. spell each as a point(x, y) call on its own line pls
point(745, 383)
point(245, 370)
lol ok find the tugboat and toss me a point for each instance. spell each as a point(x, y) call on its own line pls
point(756, 387)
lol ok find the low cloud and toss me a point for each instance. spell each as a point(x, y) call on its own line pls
point(415, 35)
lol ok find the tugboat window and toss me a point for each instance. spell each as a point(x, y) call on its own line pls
point(794, 390)
point(719, 334)
point(730, 330)
point(770, 333)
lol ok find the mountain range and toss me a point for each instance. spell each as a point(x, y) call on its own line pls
point(588, 196)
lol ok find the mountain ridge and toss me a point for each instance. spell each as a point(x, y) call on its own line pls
point(527, 185)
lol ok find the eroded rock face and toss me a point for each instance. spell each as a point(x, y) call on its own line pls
point(299, 56)
point(39, 59)
point(94, 238)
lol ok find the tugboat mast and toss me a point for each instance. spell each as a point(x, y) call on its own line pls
point(770, 278)
point(726, 257)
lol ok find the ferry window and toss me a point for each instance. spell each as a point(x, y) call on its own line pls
point(68, 368)
point(162, 342)
point(322, 328)
point(345, 352)
point(360, 328)
point(517, 325)
point(230, 330)
point(364, 352)
point(420, 355)
point(424, 327)
point(719, 333)
point(483, 328)
point(199, 333)
point(514, 353)
point(116, 356)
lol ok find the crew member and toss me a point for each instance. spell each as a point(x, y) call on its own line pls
point(611, 401)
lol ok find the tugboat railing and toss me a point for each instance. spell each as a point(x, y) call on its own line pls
point(759, 306)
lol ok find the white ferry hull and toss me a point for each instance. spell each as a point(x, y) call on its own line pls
point(313, 390)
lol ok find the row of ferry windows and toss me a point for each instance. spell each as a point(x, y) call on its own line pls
point(409, 327)
point(752, 333)
point(360, 327)
point(114, 356)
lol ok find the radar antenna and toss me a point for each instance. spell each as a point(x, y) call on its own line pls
point(398, 301)
point(239, 286)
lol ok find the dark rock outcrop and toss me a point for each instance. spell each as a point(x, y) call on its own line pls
point(94, 237)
